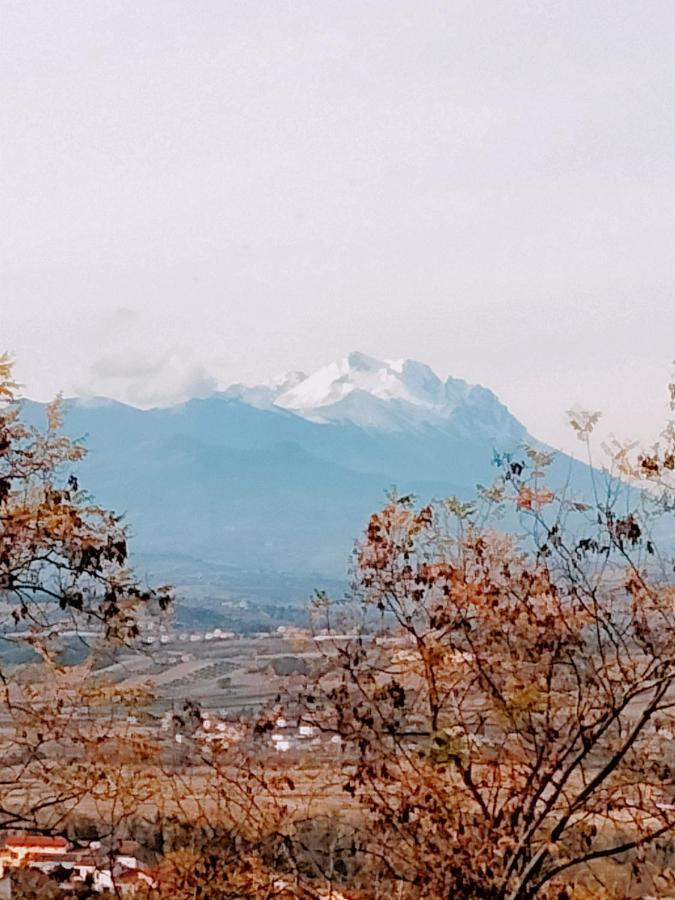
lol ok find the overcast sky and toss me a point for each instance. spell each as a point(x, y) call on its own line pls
point(208, 191)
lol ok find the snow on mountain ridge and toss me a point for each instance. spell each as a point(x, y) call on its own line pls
point(392, 395)
point(404, 380)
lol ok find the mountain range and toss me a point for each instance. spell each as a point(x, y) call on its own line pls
point(259, 492)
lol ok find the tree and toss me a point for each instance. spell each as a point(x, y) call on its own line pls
point(63, 558)
point(506, 711)
point(64, 576)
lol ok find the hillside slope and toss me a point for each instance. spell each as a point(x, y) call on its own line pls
point(282, 478)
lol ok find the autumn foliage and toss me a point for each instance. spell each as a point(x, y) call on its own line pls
point(501, 701)
point(508, 728)
point(63, 571)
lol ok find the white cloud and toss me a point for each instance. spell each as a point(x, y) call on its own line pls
point(142, 379)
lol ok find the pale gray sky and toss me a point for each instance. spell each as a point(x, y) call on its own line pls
point(199, 192)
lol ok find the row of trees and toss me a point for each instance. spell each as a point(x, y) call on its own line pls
point(506, 712)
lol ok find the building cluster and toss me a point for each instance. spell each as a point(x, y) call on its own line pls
point(189, 637)
point(118, 870)
point(216, 735)
point(287, 737)
point(208, 734)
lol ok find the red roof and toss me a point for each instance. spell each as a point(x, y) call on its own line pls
point(52, 858)
point(29, 841)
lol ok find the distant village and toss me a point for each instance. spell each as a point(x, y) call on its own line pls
point(126, 868)
point(43, 859)
point(92, 864)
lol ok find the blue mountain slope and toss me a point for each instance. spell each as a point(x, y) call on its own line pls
point(221, 482)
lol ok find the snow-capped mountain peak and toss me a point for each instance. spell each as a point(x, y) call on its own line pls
point(401, 380)
point(391, 395)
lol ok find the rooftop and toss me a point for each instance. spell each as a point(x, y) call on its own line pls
point(21, 841)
